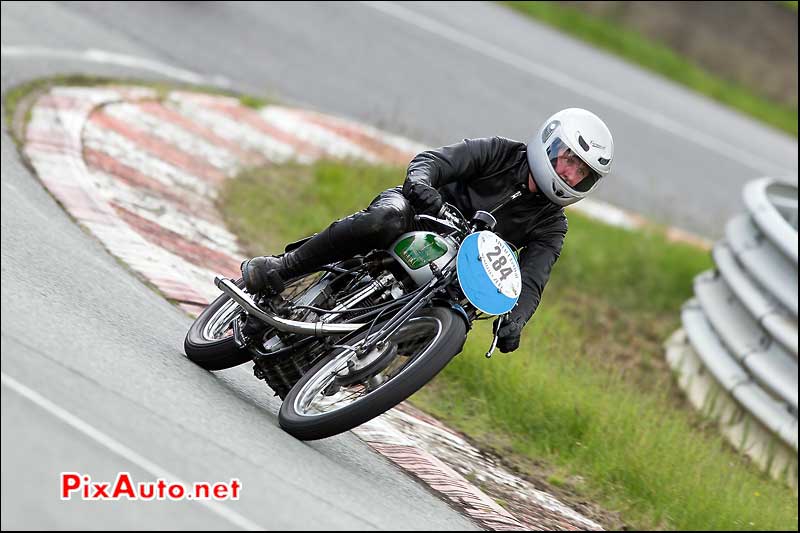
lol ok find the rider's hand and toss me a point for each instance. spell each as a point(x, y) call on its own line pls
point(424, 198)
point(508, 336)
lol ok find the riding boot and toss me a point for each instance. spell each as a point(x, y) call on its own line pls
point(375, 227)
point(271, 272)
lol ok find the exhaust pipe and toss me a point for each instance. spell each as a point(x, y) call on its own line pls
point(316, 329)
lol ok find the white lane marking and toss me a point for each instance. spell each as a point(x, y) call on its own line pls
point(120, 449)
point(649, 116)
point(102, 56)
point(607, 213)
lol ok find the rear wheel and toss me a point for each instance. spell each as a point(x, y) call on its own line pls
point(343, 391)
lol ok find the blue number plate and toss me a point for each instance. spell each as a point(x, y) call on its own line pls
point(489, 273)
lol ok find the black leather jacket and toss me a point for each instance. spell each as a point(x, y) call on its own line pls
point(479, 174)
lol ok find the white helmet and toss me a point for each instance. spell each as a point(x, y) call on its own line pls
point(551, 155)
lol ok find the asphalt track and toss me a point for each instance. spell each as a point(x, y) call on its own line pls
point(80, 332)
point(441, 71)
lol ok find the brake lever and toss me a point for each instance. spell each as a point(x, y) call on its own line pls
point(495, 330)
point(442, 221)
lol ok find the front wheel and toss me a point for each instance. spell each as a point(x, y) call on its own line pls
point(343, 391)
point(209, 341)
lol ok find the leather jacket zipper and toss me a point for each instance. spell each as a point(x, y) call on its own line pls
point(506, 201)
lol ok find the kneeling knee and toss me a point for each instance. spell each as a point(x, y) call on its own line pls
point(389, 223)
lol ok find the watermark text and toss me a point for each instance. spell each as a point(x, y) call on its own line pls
point(74, 484)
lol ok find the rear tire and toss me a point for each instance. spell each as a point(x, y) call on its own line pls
point(295, 415)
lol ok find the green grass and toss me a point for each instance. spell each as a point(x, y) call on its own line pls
point(588, 394)
point(638, 49)
point(644, 271)
point(292, 201)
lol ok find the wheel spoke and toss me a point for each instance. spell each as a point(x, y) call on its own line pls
point(413, 340)
point(220, 325)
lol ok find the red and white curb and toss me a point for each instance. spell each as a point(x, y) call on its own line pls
point(410, 438)
point(141, 173)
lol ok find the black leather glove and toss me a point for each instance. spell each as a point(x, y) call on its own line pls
point(508, 336)
point(423, 198)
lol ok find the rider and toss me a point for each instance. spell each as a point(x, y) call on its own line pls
point(561, 164)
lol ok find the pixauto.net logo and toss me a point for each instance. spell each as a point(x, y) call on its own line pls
point(73, 484)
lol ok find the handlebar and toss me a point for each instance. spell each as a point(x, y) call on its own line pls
point(451, 213)
point(450, 217)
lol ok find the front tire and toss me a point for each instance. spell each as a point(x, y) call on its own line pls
point(209, 341)
point(427, 342)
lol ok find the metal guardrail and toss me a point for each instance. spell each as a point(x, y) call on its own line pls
point(770, 315)
point(763, 261)
point(768, 202)
point(739, 336)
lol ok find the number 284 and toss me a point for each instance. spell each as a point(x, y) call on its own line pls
point(499, 264)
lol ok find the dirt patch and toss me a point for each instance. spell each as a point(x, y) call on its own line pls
point(750, 43)
point(620, 341)
point(568, 490)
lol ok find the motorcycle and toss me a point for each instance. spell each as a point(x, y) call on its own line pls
point(342, 345)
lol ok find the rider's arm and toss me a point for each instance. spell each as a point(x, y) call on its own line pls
point(464, 161)
point(536, 261)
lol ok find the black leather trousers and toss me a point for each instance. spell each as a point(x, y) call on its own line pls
point(387, 217)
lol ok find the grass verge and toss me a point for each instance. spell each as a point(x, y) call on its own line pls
point(658, 58)
point(588, 398)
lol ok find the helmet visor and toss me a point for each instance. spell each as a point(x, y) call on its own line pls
point(572, 170)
